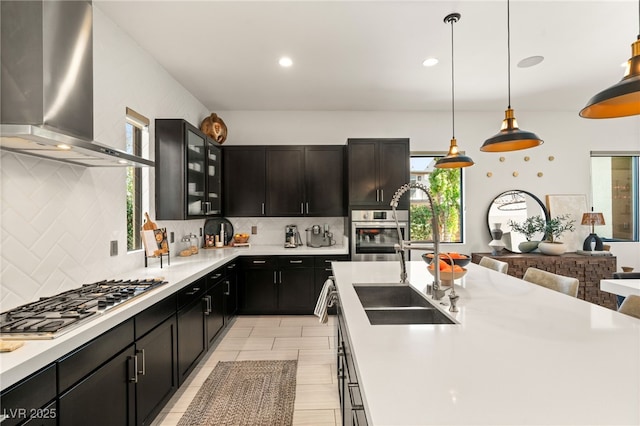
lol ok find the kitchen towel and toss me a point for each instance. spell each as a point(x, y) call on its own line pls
point(323, 300)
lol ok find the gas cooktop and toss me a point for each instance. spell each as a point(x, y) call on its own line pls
point(52, 316)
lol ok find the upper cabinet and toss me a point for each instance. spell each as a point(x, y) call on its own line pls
point(188, 180)
point(284, 181)
point(377, 168)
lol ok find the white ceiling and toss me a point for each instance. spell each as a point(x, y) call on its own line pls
point(367, 55)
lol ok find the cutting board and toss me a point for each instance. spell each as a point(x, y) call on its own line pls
point(148, 225)
point(8, 346)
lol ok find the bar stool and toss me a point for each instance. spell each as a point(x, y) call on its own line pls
point(566, 285)
point(631, 306)
point(494, 264)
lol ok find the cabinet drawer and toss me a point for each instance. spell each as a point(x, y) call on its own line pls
point(295, 261)
point(325, 261)
point(83, 361)
point(216, 276)
point(30, 394)
point(154, 315)
point(253, 262)
point(191, 292)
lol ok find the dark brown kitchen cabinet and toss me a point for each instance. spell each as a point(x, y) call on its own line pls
point(157, 378)
point(258, 285)
point(106, 397)
point(325, 189)
point(230, 291)
point(191, 327)
point(101, 373)
point(322, 271)
point(244, 181)
point(377, 168)
point(214, 305)
point(284, 181)
point(32, 398)
point(188, 172)
point(277, 285)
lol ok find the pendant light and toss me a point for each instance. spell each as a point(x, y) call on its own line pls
point(453, 160)
point(510, 137)
point(621, 99)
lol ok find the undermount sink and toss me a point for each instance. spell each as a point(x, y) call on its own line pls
point(394, 303)
point(408, 315)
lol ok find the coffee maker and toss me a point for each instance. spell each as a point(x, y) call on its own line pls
point(291, 237)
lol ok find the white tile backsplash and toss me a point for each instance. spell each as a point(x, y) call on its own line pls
point(271, 229)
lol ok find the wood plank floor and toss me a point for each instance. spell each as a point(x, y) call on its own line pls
point(275, 338)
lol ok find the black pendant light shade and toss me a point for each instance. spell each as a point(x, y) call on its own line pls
point(510, 137)
point(621, 99)
point(453, 160)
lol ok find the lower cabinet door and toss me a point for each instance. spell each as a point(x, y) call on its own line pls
point(191, 337)
point(215, 312)
point(157, 354)
point(106, 397)
point(259, 292)
point(296, 291)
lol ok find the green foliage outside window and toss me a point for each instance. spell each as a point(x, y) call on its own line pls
point(444, 187)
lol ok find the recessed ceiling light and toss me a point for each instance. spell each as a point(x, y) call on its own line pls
point(429, 62)
point(285, 61)
point(530, 61)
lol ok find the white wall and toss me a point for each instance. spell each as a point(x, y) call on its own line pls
point(57, 219)
point(567, 137)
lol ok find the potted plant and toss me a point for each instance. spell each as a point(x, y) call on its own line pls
point(554, 229)
point(530, 227)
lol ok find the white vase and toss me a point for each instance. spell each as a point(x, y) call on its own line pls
point(552, 249)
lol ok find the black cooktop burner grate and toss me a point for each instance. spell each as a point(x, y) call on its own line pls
point(50, 316)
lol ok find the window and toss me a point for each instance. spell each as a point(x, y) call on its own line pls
point(615, 184)
point(137, 143)
point(446, 190)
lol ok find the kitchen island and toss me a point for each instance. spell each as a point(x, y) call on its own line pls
point(519, 354)
point(35, 354)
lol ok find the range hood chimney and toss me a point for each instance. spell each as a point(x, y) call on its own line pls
point(46, 108)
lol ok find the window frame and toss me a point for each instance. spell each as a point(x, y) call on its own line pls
point(635, 192)
point(436, 155)
point(138, 146)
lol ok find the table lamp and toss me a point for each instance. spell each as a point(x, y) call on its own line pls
point(592, 219)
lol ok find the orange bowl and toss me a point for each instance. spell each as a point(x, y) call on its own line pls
point(445, 276)
point(458, 258)
point(240, 239)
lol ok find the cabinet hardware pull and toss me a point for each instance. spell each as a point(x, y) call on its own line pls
point(382, 195)
point(301, 208)
point(377, 195)
point(143, 370)
point(307, 207)
point(233, 265)
point(228, 290)
point(280, 277)
point(274, 278)
point(216, 276)
point(327, 269)
point(134, 379)
point(193, 291)
point(207, 302)
point(259, 261)
point(262, 208)
point(295, 261)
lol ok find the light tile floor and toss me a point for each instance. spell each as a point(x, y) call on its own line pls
point(275, 338)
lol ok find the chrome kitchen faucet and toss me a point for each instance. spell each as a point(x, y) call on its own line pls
point(437, 292)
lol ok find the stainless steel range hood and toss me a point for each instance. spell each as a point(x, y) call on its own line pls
point(46, 105)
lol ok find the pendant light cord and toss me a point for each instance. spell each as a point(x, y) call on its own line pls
point(509, 54)
point(453, 102)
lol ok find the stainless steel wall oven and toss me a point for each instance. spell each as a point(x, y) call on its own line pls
point(374, 233)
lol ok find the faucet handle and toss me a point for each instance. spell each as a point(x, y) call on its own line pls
point(453, 298)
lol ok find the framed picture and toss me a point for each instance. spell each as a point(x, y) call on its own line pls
point(572, 205)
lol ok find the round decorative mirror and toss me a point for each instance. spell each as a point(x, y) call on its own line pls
point(515, 205)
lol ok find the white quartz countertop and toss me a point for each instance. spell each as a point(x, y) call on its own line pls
point(36, 354)
point(519, 354)
point(621, 287)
